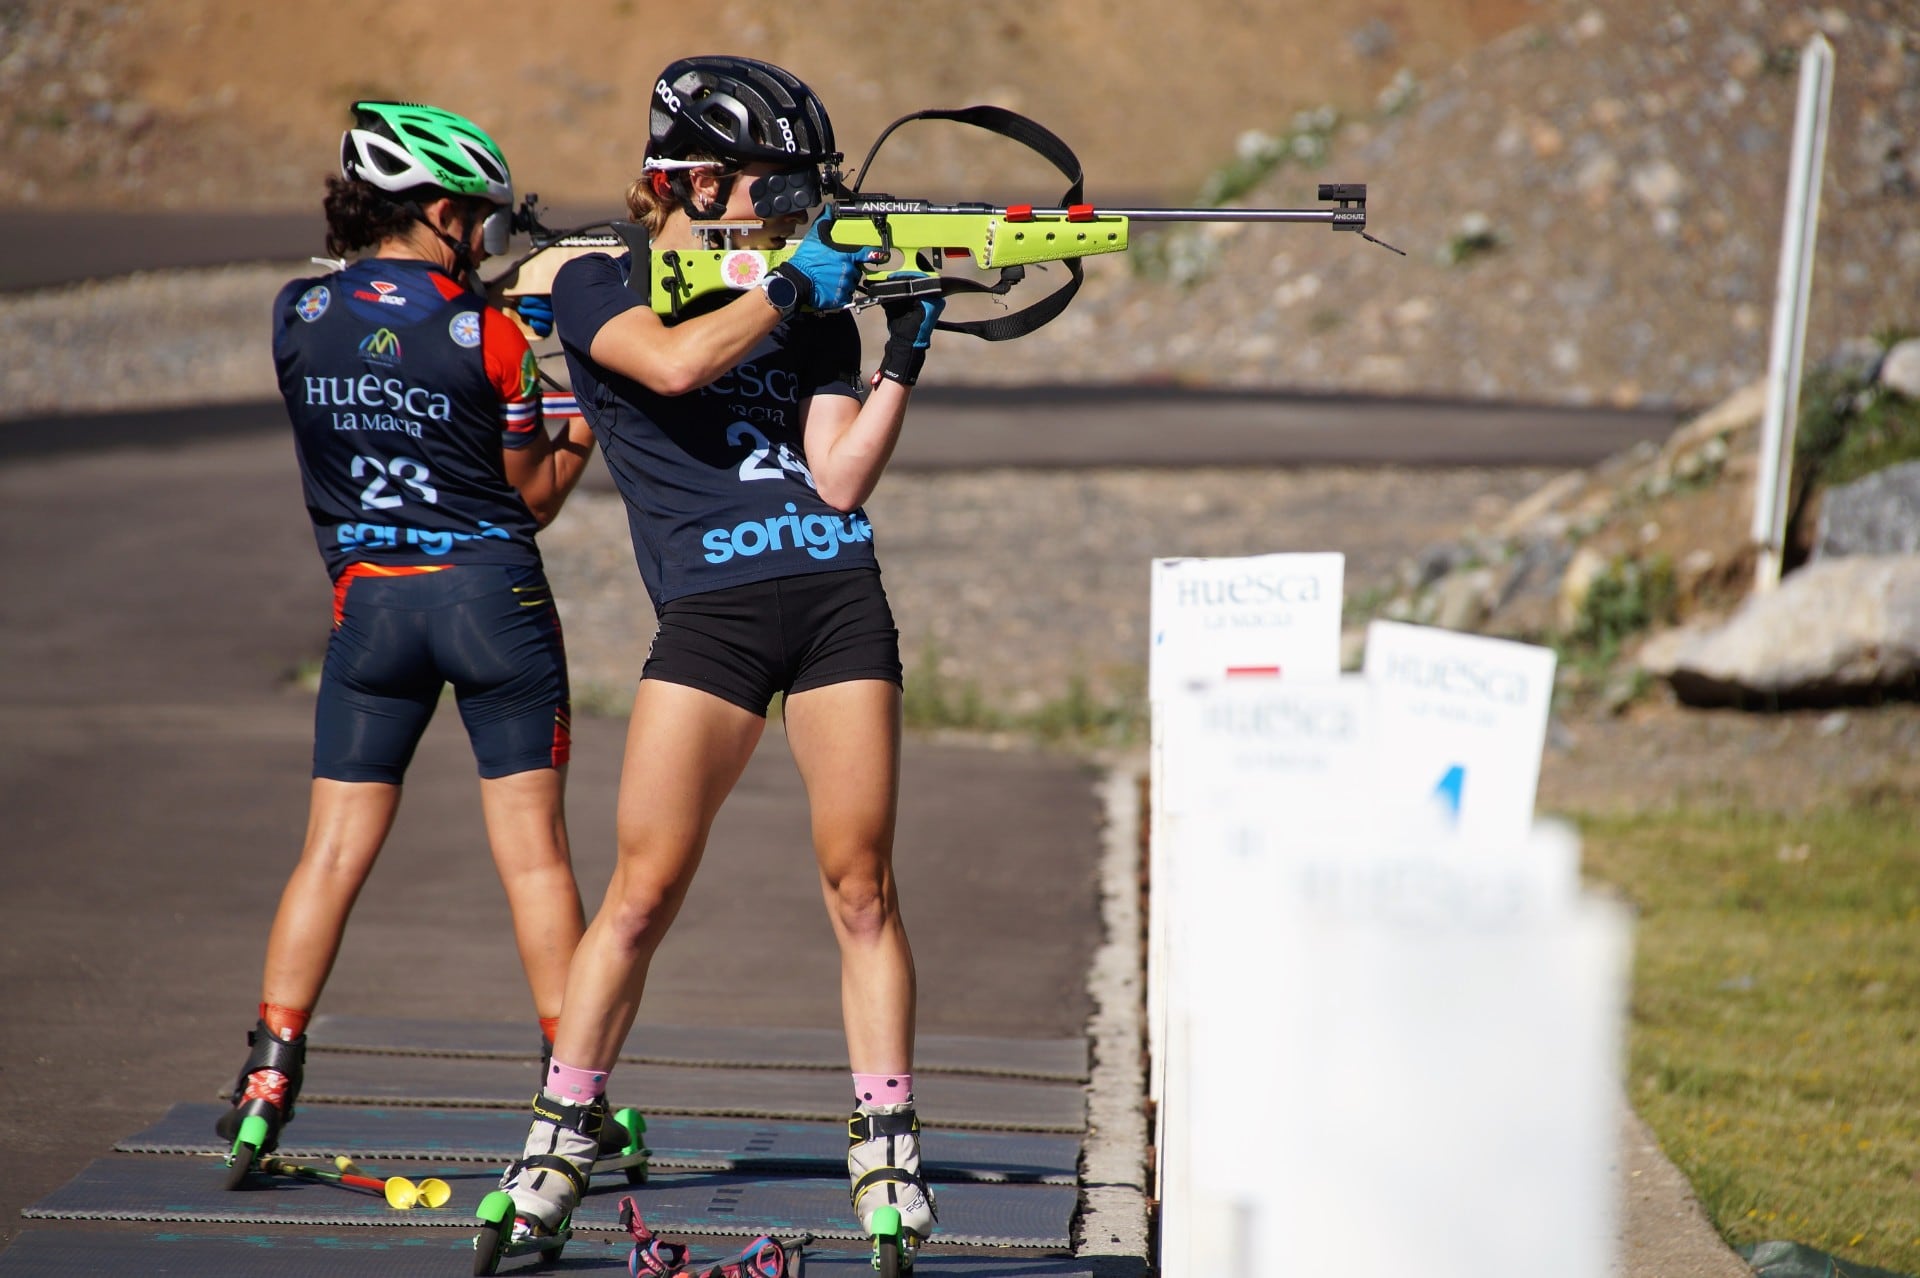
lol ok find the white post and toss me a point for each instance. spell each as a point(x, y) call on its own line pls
point(1790, 310)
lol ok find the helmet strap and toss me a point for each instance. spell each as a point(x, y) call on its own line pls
point(463, 264)
point(682, 184)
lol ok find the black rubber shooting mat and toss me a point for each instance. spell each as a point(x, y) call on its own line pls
point(65, 1253)
point(696, 1203)
point(1063, 1060)
point(495, 1136)
point(949, 1100)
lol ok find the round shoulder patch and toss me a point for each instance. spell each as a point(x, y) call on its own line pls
point(464, 328)
point(313, 303)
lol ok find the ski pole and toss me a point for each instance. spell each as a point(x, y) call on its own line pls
point(401, 1192)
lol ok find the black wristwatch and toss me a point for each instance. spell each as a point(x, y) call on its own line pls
point(781, 291)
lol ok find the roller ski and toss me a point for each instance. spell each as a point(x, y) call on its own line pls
point(262, 1097)
point(891, 1198)
point(532, 1211)
point(623, 1133)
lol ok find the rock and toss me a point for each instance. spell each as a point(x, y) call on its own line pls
point(1464, 600)
point(1878, 515)
point(1586, 567)
point(1541, 503)
point(1740, 411)
point(1836, 630)
point(1900, 371)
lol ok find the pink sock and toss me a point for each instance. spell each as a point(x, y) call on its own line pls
point(571, 1083)
point(882, 1089)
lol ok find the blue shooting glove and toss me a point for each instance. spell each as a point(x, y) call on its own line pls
point(910, 322)
point(537, 313)
point(825, 275)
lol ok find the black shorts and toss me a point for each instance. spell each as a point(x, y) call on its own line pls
point(745, 643)
point(490, 630)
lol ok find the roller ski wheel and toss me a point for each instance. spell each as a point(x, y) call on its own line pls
point(503, 1235)
point(255, 1135)
point(623, 1145)
point(893, 1246)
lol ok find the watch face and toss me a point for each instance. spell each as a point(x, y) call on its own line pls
point(781, 292)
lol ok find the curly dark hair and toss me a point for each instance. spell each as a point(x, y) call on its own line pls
point(360, 215)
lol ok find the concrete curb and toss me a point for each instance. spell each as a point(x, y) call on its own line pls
point(1113, 1230)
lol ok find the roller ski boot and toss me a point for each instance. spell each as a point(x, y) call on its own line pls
point(623, 1132)
point(263, 1097)
point(890, 1196)
point(532, 1211)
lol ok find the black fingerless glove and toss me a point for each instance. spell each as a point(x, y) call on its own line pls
point(909, 332)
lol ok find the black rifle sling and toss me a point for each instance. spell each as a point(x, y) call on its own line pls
point(640, 269)
point(1042, 141)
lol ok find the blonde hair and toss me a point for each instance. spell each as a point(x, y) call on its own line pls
point(644, 207)
point(648, 208)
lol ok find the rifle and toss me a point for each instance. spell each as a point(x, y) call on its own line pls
point(919, 238)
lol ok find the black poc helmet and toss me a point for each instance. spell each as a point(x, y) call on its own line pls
point(740, 109)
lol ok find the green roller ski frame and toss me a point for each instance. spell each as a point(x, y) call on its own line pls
point(498, 1240)
point(246, 1149)
point(893, 1246)
point(634, 1154)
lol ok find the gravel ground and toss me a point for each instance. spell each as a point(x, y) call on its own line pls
point(1017, 582)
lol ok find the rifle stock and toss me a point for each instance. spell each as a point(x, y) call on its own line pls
point(919, 237)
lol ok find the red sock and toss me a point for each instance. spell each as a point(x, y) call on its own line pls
point(286, 1023)
point(549, 1026)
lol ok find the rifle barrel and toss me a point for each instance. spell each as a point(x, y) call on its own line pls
point(1213, 215)
point(855, 209)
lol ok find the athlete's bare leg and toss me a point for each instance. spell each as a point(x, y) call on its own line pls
point(347, 822)
point(846, 739)
point(527, 826)
point(686, 750)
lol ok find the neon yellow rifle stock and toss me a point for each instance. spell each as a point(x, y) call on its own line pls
point(920, 237)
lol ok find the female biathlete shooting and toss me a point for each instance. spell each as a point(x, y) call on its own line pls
point(743, 439)
point(427, 469)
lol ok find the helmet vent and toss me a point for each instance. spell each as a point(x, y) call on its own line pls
point(388, 163)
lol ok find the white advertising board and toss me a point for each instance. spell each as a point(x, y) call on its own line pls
point(1257, 616)
point(1401, 1060)
point(1461, 721)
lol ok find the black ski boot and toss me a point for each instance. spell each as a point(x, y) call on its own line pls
point(263, 1097)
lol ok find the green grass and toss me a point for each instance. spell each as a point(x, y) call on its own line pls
point(1775, 1035)
point(1848, 430)
point(1078, 717)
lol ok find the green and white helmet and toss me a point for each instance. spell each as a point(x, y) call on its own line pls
point(404, 146)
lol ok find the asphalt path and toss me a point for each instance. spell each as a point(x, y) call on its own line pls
point(1045, 426)
point(966, 428)
point(154, 759)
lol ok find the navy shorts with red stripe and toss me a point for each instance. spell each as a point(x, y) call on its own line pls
point(490, 630)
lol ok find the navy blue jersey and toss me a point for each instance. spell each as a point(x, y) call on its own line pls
point(402, 388)
point(716, 482)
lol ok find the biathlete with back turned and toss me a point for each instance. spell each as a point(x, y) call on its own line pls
point(427, 471)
